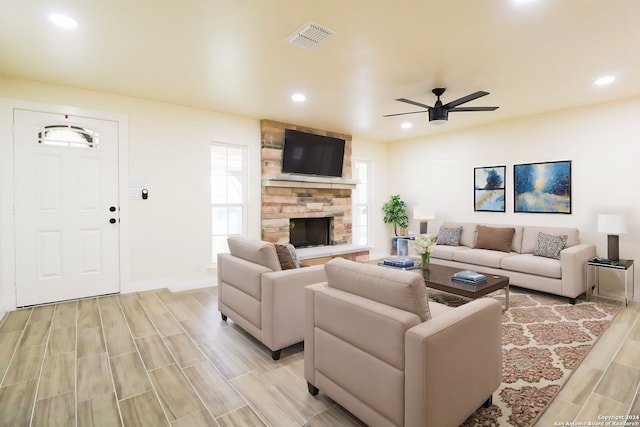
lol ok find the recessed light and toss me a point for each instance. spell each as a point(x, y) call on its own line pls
point(406, 125)
point(604, 80)
point(298, 97)
point(63, 21)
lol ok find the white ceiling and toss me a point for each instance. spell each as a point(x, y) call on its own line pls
point(231, 56)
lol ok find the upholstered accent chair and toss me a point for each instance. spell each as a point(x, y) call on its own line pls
point(376, 345)
point(259, 296)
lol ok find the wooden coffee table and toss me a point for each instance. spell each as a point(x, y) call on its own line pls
point(439, 277)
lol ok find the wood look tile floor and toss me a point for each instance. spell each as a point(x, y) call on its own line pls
point(159, 358)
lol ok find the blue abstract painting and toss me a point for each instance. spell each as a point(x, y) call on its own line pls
point(489, 189)
point(542, 187)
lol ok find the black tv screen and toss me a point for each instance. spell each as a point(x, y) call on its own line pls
point(309, 154)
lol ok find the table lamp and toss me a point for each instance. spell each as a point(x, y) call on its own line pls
point(613, 225)
point(423, 215)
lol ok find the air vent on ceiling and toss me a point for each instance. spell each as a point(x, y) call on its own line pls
point(309, 35)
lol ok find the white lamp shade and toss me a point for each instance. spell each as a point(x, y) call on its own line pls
point(612, 224)
point(423, 214)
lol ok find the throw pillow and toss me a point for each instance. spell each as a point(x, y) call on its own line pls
point(285, 258)
point(494, 238)
point(449, 236)
point(550, 246)
point(294, 256)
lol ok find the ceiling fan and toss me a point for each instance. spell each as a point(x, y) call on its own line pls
point(439, 113)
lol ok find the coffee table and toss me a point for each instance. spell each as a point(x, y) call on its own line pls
point(439, 277)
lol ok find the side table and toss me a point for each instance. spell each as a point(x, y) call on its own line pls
point(621, 265)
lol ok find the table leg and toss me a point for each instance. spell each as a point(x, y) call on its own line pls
point(633, 280)
point(586, 282)
point(506, 298)
point(626, 284)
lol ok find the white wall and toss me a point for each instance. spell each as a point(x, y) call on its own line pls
point(169, 234)
point(603, 143)
point(169, 155)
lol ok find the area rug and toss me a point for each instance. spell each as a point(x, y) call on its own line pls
point(544, 338)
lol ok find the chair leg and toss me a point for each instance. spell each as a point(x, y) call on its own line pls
point(224, 316)
point(313, 390)
point(275, 355)
point(572, 301)
point(487, 403)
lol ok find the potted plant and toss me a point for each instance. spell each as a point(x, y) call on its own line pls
point(395, 212)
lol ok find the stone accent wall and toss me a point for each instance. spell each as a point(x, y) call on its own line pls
point(297, 199)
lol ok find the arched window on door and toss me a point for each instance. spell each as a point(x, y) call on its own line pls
point(67, 136)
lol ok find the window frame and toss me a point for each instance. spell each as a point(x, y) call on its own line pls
point(356, 204)
point(244, 149)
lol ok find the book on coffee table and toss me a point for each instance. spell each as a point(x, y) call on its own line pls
point(402, 262)
point(469, 276)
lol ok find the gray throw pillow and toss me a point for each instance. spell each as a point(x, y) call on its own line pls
point(449, 236)
point(294, 256)
point(550, 246)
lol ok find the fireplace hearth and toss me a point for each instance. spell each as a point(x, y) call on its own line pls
point(309, 232)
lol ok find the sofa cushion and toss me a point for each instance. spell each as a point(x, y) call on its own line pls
point(550, 246)
point(494, 238)
point(530, 236)
point(449, 236)
point(256, 251)
point(446, 252)
point(400, 289)
point(481, 257)
point(285, 258)
point(531, 264)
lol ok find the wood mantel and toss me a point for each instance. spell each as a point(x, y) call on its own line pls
point(302, 181)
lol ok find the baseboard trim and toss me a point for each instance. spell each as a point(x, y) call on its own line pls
point(171, 284)
point(193, 284)
point(3, 312)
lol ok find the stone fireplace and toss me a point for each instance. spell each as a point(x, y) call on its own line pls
point(286, 196)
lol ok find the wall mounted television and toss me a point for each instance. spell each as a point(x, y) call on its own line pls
point(310, 154)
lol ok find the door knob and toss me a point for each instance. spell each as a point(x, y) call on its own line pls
point(112, 220)
point(112, 209)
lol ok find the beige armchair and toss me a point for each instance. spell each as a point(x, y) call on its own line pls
point(375, 345)
point(259, 296)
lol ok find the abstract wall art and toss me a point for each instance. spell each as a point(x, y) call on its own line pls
point(489, 189)
point(542, 187)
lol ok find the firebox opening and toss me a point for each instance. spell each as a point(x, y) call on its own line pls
point(307, 232)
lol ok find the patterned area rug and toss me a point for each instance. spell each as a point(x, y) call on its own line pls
point(544, 338)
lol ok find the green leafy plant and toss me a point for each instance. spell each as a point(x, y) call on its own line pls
point(395, 212)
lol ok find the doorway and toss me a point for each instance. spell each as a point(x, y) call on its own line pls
point(66, 207)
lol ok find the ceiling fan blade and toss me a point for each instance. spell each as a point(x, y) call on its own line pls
point(464, 99)
point(402, 114)
point(417, 104)
point(474, 109)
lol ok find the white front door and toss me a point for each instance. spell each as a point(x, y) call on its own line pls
point(66, 207)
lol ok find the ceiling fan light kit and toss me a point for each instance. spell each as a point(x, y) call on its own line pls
point(439, 113)
point(438, 116)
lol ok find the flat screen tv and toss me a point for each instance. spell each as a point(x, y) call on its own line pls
point(309, 154)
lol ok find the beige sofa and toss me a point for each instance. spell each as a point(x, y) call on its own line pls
point(374, 344)
point(564, 276)
point(259, 296)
